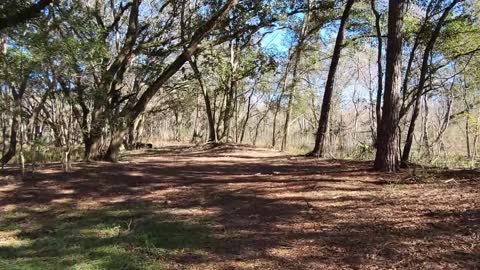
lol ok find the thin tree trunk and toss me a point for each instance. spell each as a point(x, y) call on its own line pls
point(327, 96)
point(421, 82)
point(4, 135)
point(247, 116)
point(258, 126)
point(476, 135)
point(291, 95)
point(467, 136)
point(21, 154)
point(378, 105)
point(279, 100)
point(212, 134)
point(426, 141)
point(195, 120)
point(231, 94)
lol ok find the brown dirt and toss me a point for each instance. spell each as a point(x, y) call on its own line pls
point(271, 211)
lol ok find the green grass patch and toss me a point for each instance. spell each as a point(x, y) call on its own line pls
point(121, 237)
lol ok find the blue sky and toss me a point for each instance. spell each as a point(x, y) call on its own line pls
point(277, 42)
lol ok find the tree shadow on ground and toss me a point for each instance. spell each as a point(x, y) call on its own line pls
point(121, 236)
point(213, 212)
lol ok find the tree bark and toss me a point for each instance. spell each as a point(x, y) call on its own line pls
point(12, 148)
point(467, 136)
point(116, 141)
point(212, 134)
point(257, 127)
point(279, 100)
point(291, 95)
point(327, 96)
point(378, 105)
point(421, 83)
point(231, 94)
point(16, 121)
point(386, 158)
point(247, 115)
point(133, 131)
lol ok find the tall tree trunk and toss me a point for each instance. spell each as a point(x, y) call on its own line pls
point(291, 95)
point(327, 96)
point(378, 105)
point(231, 94)
point(421, 82)
point(386, 158)
point(279, 100)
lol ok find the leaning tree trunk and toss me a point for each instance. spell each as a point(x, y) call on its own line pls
point(327, 96)
point(386, 158)
point(131, 112)
point(421, 82)
point(421, 85)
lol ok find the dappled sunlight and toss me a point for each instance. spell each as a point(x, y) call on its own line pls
point(219, 213)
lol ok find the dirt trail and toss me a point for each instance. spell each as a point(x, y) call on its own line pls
point(270, 211)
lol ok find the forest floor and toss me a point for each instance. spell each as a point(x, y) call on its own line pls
point(237, 207)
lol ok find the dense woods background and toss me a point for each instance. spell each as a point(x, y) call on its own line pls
point(397, 81)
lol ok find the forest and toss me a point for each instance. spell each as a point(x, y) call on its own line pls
point(240, 134)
